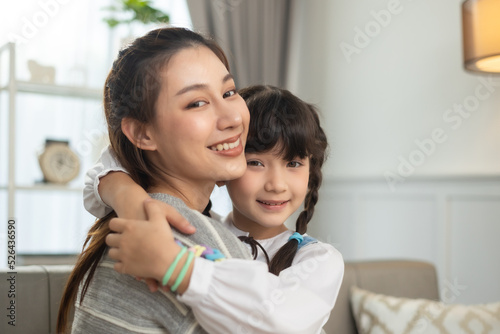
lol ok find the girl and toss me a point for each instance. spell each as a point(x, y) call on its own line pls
point(285, 151)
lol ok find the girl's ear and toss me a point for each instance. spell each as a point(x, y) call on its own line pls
point(138, 134)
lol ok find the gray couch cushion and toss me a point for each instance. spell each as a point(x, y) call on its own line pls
point(38, 292)
point(32, 302)
point(411, 279)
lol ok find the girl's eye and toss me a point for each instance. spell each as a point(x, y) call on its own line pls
point(229, 93)
point(254, 163)
point(196, 104)
point(294, 164)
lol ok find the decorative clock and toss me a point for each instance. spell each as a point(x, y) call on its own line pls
point(58, 162)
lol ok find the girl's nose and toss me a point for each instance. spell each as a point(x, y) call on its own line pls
point(276, 181)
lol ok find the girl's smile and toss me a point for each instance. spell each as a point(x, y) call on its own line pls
point(273, 205)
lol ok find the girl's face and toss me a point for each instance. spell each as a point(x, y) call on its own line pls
point(268, 193)
point(201, 122)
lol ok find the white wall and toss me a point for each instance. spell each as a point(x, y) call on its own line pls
point(390, 110)
point(397, 90)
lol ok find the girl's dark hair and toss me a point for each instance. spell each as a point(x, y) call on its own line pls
point(281, 121)
point(131, 91)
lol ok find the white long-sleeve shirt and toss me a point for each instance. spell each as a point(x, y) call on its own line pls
point(241, 296)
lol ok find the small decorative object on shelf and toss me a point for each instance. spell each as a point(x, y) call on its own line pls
point(58, 162)
point(41, 74)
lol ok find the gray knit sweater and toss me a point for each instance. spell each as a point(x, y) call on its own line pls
point(117, 303)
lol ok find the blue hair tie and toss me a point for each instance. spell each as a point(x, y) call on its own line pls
point(297, 236)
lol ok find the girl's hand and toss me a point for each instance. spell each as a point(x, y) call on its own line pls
point(144, 248)
point(127, 198)
point(172, 217)
point(151, 283)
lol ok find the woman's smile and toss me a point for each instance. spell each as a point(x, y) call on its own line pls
point(230, 147)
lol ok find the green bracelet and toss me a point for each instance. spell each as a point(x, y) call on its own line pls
point(183, 272)
point(171, 269)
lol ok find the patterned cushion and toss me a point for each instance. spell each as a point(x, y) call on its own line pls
point(380, 314)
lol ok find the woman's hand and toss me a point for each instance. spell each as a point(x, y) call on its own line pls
point(144, 248)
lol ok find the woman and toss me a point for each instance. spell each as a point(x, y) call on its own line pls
point(169, 94)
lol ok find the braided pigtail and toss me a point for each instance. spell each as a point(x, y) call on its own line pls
point(316, 161)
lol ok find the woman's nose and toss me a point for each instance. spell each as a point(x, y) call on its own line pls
point(230, 116)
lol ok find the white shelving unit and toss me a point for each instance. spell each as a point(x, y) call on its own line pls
point(11, 88)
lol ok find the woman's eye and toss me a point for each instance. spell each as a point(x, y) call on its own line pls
point(196, 104)
point(294, 164)
point(229, 93)
point(254, 163)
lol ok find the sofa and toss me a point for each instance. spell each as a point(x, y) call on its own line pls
point(38, 291)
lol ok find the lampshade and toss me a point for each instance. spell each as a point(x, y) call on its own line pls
point(481, 35)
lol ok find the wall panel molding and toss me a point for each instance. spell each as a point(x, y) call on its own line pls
point(453, 223)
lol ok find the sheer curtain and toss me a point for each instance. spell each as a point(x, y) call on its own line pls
point(254, 34)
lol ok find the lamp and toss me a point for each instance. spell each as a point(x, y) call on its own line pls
point(481, 35)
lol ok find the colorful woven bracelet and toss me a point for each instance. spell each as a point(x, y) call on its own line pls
point(197, 250)
point(213, 255)
point(205, 251)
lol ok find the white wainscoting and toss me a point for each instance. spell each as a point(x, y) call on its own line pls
point(452, 223)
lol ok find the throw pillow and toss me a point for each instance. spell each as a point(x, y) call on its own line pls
point(381, 314)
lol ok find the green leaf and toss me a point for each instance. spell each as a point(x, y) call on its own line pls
point(112, 22)
point(141, 11)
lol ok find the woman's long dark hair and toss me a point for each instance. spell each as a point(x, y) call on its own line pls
point(281, 121)
point(131, 91)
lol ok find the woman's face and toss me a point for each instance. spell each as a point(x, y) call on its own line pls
point(201, 122)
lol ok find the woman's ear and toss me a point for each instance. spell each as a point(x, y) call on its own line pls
point(138, 134)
